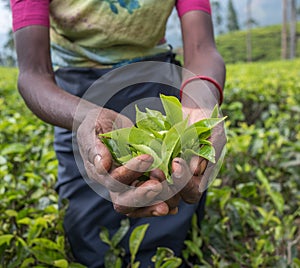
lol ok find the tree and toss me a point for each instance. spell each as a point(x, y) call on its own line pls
point(10, 58)
point(249, 26)
point(284, 30)
point(293, 32)
point(232, 20)
point(8, 55)
point(217, 17)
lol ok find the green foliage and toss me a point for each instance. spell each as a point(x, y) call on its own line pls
point(135, 240)
point(252, 214)
point(115, 253)
point(31, 232)
point(265, 41)
point(164, 257)
point(164, 137)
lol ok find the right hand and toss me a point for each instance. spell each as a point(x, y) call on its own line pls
point(120, 181)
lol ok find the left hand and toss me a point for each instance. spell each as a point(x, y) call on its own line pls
point(194, 177)
point(190, 179)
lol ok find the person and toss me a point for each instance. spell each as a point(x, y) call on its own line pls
point(63, 48)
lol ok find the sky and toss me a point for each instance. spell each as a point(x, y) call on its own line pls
point(5, 22)
point(5, 18)
point(264, 12)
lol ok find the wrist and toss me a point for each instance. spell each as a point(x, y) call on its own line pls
point(211, 83)
point(83, 111)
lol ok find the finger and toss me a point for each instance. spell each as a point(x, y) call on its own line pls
point(159, 209)
point(189, 184)
point(128, 173)
point(158, 174)
point(100, 156)
point(181, 173)
point(190, 193)
point(173, 202)
point(198, 165)
point(173, 211)
point(218, 138)
point(90, 146)
point(141, 196)
point(169, 192)
point(92, 173)
point(97, 154)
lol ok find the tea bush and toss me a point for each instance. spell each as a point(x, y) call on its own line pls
point(252, 214)
point(31, 233)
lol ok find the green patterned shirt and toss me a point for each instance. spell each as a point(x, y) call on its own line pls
point(105, 33)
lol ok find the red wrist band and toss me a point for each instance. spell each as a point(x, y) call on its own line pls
point(207, 78)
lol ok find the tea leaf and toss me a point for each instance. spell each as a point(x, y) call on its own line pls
point(206, 151)
point(104, 235)
point(61, 263)
point(120, 136)
point(136, 239)
point(152, 121)
point(140, 136)
point(144, 149)
point(113, 148)
point(172, 108)
point(164, 137)
point(5, 239)
point(112, 260)
point(122, 231)
point(208, 122)
point(171, 141)
point(215, 112)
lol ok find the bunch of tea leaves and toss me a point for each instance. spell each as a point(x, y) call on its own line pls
point(164, 137)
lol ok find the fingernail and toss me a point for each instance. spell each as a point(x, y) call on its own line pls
point(177, 170)
point(160, 210)
point(203, 165)
point(137, 183)
point(97, 159)
point(146, 158)
point(173, 211)
point(156, 213)
point(151, 194)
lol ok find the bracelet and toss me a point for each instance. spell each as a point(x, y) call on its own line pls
point(207, 78)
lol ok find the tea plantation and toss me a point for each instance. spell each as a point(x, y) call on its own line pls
point(265, 44)
point(253, 207)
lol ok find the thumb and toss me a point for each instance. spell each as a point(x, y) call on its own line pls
point(101, 157)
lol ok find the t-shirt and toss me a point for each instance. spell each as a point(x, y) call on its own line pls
point(102, 33)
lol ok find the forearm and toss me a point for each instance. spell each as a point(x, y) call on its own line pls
point(206, 62)
point(200, 54)
point(49, 102)
point(36, 81)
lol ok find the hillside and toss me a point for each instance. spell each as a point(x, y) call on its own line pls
point(266, 44)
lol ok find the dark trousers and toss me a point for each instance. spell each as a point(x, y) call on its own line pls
point(87, 211)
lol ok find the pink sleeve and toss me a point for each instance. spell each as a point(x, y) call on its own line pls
point(29, 12)
point(184, 6)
